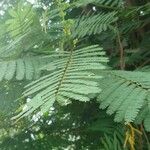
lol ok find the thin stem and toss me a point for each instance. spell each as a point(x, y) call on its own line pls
point(144, 63)
point(147, 140)
point(64, 73)
point(140, 140)
point(122, 62)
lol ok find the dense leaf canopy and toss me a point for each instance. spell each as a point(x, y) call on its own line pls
point(74, 74)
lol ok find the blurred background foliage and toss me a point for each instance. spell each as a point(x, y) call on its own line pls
point(78, 125)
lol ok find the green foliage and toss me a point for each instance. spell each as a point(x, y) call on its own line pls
point(112, 142)
point(62, 48)
point(143, 116)
point(71, 79)
point(127, 94)
point(102, 3)
point(23, 68)
point(70, 126)
point(94, 24)
point(21, 20)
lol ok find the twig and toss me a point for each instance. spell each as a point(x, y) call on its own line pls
point(144, 63)
point(147, 140)
point(122, 62)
